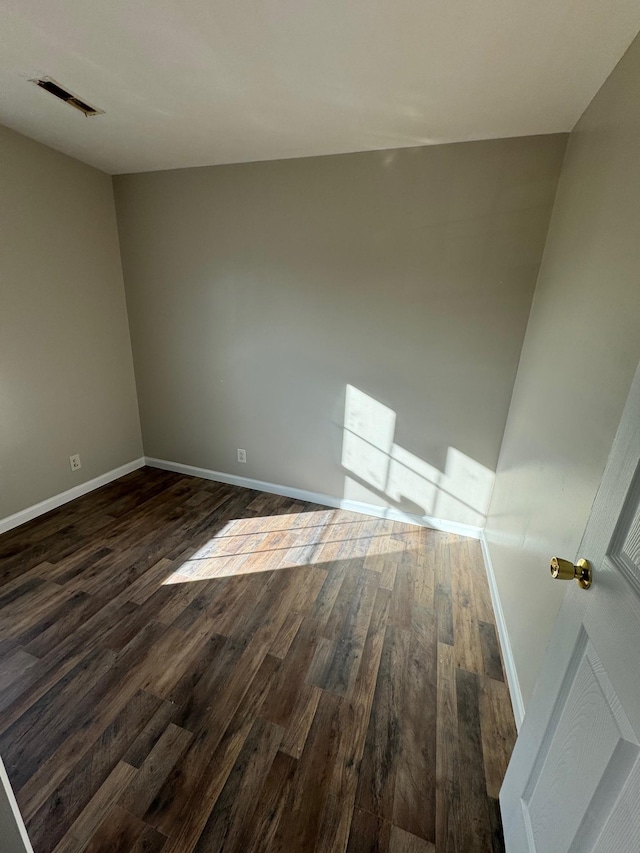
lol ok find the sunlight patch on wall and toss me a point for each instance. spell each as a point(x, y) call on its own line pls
point(369, 427)
point(385, 474)
point(413, 479)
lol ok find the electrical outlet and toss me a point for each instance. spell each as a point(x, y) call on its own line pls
point(74, 461)
point(242, 455)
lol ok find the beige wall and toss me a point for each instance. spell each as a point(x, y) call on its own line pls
point(263, 297)
point(581, 350)
point(66, 375)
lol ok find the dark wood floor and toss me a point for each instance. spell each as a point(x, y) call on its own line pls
point(188, 666)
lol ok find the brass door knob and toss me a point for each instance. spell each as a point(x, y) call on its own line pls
point(564, 570)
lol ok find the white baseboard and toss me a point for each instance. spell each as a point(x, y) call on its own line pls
point(318, 498)
point(54, 502)
point(503, 634)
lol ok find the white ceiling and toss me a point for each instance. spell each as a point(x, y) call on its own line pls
point(194, 82)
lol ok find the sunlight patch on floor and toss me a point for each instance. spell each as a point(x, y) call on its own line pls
point(263, 544)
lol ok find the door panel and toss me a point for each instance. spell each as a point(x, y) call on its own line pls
point(573, 784)
point(625, 546)
point(589, 739)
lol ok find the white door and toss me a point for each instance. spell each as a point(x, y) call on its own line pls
point(573, 784)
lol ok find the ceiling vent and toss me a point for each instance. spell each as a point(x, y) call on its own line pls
point(56, 89)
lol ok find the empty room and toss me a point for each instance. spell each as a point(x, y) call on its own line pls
point(320, 426)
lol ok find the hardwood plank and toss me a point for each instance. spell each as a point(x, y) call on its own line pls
point(355, 713)
point(148, 582)
point(369, 833)
point(16, 592)
point(330, 590)
point(388, 574)
point(210, 594)
point(495, 819)
point(186, 650)
point(313, 580)
point(258, 831)
point(15, 666)
point(195, 710)
point(300, 720)
point(498, 730)
point(33, 613)
point(79, 562)
point(444, 615)
point(414, 804)
point(282, 642)
point(424, 578)
point(311, 784)
point(322, 657)
point(91, 817)
point(150, 734)
point(443, 594)
point(287, 687)
point(98, 707)
point(465, 623)
point(204, 660)
point(122, 831)
point(448, 764)
point(85, 778)
point(183, 804)
point(482, 597)
point(402, 598)
point(379, 768)
point(224, 827)
point(404, 842)
point(342, 669)
point(40, 571)
point(58, 661)
point(476, 830)
point(46, 724)
point(166, 753)
point(349, 590)
point(335, 823)
point(491, 661)
point(78, 608)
